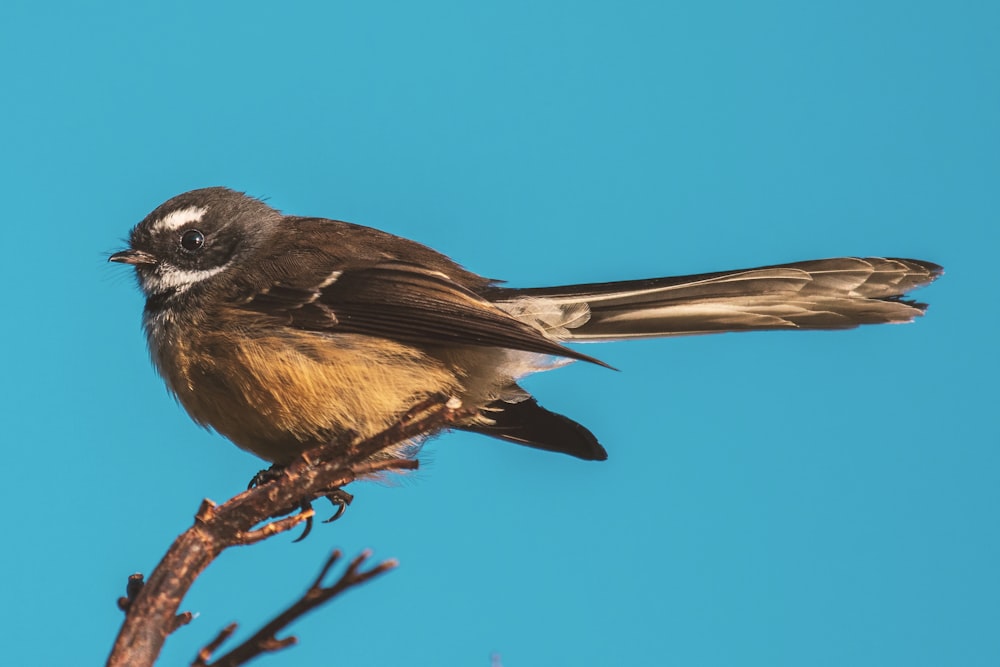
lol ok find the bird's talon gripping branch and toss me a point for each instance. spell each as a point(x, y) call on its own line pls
point(264, 476)
point(340, 500)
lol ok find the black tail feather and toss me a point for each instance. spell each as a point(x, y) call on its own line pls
point(527, 423)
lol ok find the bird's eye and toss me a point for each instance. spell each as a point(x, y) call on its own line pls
point(192, 240)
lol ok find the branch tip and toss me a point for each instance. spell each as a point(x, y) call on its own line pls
point(275, 644)
point(359, 561)
point(180, 620)
point(133, 587)
point(327, 566)
point(205, 654)
point(205, 510)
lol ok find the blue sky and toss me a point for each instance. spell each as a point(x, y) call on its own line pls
point(770, 499)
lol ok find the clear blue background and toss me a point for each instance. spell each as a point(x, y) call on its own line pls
point(771, 499)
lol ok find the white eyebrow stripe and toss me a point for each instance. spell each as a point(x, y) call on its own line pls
point(170, 278)
point(179, 218)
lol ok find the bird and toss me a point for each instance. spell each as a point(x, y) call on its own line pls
point(284, 332)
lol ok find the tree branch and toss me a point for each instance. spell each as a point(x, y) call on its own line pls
point(151, 609)
point(265, 640)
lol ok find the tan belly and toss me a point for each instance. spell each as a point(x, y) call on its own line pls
point(277, 395)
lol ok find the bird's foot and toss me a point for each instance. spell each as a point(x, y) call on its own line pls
point(264, 476)
point(340, 500)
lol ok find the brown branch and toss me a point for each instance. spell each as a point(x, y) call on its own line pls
point(265, 640)
point(135, 583)
point(205, 654)
point(151, 611)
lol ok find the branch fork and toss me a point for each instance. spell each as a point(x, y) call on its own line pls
point(255, 515)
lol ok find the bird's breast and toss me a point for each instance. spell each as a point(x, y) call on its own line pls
point(276, 391)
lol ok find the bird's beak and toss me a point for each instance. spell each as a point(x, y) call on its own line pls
point(131, 256)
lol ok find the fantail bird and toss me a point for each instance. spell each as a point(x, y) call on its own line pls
point(284, 332)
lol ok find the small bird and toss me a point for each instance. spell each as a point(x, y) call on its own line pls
point(284, 332)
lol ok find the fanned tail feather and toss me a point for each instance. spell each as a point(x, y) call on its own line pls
point(839, 293)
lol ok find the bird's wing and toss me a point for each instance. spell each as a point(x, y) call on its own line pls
point(404, 302)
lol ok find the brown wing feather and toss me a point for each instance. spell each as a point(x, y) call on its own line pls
point(405, 303)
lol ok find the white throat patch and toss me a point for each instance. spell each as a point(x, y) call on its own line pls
point(167, 277)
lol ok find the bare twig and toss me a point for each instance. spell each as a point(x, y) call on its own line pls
point(151, 612)
point(266, 640)
point(205, 654)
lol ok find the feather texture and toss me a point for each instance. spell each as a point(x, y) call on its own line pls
point(839, 293)
point(282, 332)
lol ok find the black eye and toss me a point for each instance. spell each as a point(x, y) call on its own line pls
point(192, 240)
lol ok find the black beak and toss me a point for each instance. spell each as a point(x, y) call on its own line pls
point(134, 257)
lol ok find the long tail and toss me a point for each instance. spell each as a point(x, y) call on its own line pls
point(839, 293)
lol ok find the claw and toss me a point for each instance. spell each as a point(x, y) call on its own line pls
point(309, 524)
point(340, 499)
